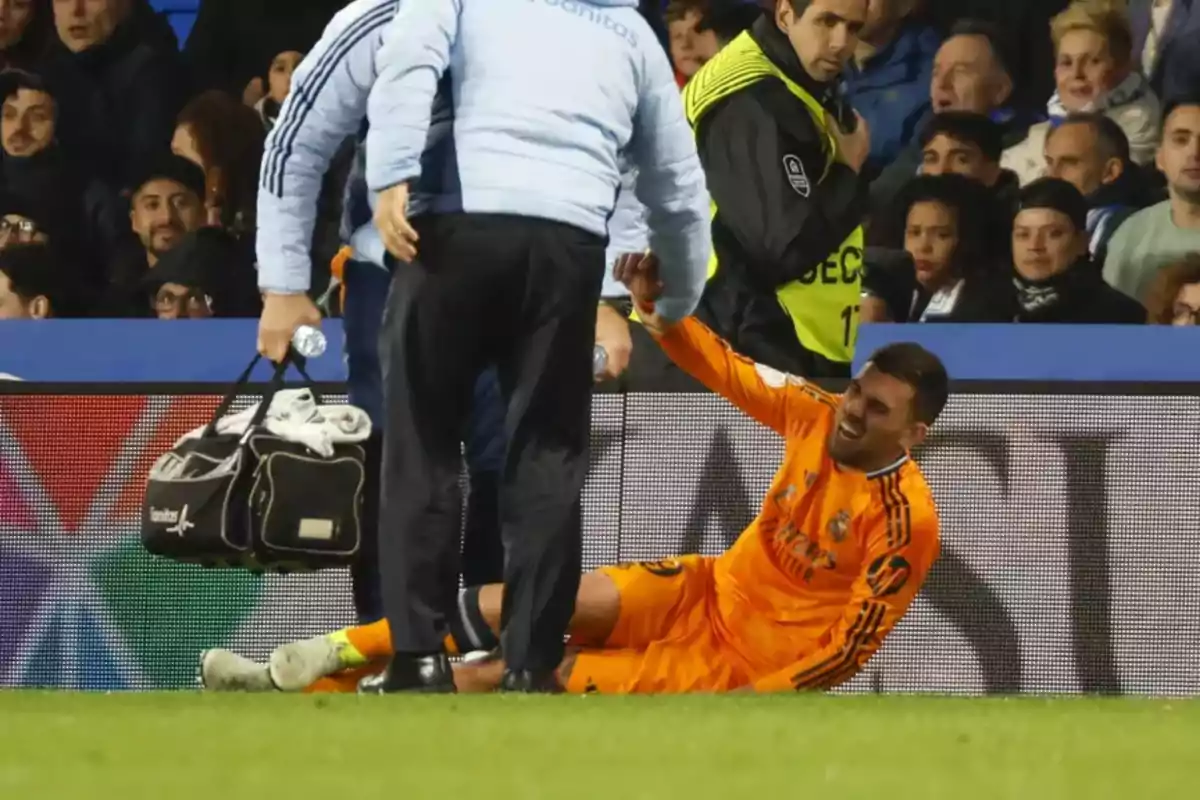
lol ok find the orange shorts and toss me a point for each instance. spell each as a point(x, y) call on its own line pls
point(663, 641)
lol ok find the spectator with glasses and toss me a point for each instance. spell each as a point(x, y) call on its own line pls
point(1174, 295)
point(22, 222)
point(16, 229)
point(39, 219)
point(202, 278)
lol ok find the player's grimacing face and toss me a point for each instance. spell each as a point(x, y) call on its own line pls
point(874, 423)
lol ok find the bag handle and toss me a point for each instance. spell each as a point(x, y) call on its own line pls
point(273, 386)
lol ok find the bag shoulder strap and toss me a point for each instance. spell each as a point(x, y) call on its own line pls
point(273, 387)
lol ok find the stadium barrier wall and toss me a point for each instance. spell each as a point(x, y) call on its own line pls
point(1070, 561)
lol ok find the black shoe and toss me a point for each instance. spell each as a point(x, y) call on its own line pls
point(417, 674)
point(530, 682)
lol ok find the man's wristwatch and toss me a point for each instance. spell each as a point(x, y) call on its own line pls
point(622, 305)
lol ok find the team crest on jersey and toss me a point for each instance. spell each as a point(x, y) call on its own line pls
point(793, 167)
point(839, 526)
point(785, 494)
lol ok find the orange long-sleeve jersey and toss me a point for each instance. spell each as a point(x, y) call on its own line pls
point(809, 591)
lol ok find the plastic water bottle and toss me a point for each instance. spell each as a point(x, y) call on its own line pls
point(599, 361)
point(309, 341)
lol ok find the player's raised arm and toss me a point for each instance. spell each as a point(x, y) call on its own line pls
point(782, 402)
point(901, 546)
point(327, 105)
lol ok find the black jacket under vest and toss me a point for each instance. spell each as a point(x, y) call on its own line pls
point(767, 233)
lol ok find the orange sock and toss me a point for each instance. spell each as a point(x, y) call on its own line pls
point(372, 641)
point(375, 640)
point(344, 682)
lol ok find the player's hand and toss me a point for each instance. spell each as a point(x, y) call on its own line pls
point(612, 333)
point(282, 315)
point(639, 272)
point(853, 148)
point(391, 219)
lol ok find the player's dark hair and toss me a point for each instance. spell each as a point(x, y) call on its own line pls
point(1111, 140)
point(965, 126)
point(920, 369)
point(996, 38)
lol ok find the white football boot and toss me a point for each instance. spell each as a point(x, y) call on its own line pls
point(298, 665)
point(226, 671)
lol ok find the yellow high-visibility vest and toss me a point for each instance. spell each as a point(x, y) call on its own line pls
point(823, 303)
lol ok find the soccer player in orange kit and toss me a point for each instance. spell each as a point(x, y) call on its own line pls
point(803, 598)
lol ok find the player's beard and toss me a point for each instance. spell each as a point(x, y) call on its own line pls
point(845, 451)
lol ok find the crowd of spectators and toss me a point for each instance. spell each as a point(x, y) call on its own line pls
point(1031, 161)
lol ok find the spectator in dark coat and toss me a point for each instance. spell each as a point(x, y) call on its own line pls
point(888, 81)
point(232, 40)
point(966, 144)
point(34, 284)
point(1027, 23)
point(34, 167)
point(120, 84)
point(950, 267)
point(165, 205)
point(1055, 279)
point(278, 79)
point(972, 73)
point(1166, 45)
point(26, 221)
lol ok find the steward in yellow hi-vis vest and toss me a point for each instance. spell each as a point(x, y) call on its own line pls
point(785, 280)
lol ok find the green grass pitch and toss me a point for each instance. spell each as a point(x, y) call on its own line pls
point(185, 746)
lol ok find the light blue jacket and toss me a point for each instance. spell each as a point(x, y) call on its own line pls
point(627, 231)
point(327, 105)
point(546, 97)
